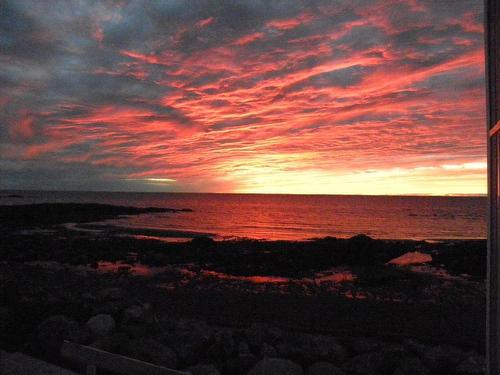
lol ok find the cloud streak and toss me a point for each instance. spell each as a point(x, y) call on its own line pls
point(369, 97)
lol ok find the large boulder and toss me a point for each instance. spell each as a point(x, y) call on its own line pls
point(55, 329)
point(276, 366)
point(152, 351)
point(324, 368)
point(189, 339)
point(101, 325)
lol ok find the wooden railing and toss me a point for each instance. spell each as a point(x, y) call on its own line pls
point(95, 358)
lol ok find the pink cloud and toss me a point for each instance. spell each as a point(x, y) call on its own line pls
point(308, 103)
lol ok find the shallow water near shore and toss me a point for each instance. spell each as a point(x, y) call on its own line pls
point(287, 217)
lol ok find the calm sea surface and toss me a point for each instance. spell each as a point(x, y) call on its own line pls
point(292, 216)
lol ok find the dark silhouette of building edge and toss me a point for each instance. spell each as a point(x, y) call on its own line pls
point(492, 49)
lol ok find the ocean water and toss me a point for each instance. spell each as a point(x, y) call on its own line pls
point(291, 217)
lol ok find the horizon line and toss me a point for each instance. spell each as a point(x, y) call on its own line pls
point(465, 195)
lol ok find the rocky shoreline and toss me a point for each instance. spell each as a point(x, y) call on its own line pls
point(118, 315)
point(328, 306)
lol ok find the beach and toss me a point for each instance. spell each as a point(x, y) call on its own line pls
point(391, 292)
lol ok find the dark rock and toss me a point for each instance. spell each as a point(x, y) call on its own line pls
point(364, 364)
point(361, 238)
point(136, 331)
point(55, 329)
point(88, 297)
point(268, 351)
point(150, 350)
point(109, 307)
point(238, 366)
point(101, 325)
point(259, 333)
point(138, 315)
point(168, 323)
point(203, 330)
point(202, 370)
point(202, 242)
point(276, 366)
point(58, 213)
point(115, 343)
point(472, 365)
point(365, 345)
point(411, 366)
point(189, 340)
point(9, 292)
point(244, 350)
point(4, 318)
point(324, 368)
point(133, 314)
point(223, 345)
point(442, 358)
point(22, 364)
point(309, 348)
point(111, 294)
point(416, 347)
point(383, 362)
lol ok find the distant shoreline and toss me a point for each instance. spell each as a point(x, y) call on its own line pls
point(416, 195)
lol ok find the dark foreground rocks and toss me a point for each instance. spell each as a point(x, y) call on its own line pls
point(192, 345)
point(188, 318)
point(276, 366)
point(41, 307)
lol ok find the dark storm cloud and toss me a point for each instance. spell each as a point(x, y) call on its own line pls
point(23, 36)
point(155, 24)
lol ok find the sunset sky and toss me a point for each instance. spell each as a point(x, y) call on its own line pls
point(320, 97)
